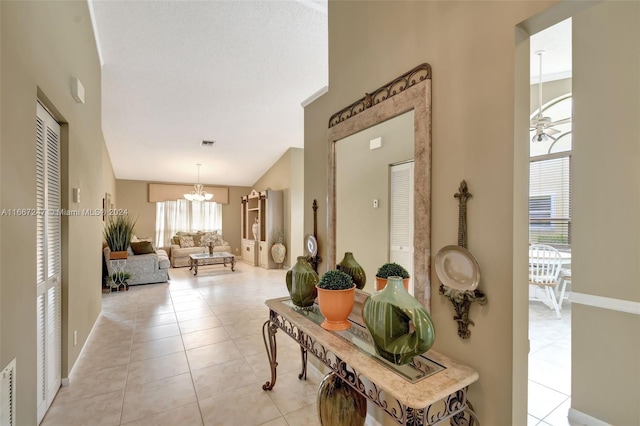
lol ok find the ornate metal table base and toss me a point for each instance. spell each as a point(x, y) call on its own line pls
point(454, 407)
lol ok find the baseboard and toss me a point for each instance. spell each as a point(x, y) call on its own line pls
point(606, 303)
point(581, 418)
point(65, 380)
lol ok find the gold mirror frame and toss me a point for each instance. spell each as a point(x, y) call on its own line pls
point(410, 91)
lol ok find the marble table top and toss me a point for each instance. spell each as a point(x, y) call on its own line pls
point(421, 394)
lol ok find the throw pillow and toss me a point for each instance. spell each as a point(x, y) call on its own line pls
point(142, 247)
point(206, 238)
point(186, 241)
point(176, 240)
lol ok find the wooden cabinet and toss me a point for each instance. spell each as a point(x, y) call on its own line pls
point(264, 208)
point(250, 252)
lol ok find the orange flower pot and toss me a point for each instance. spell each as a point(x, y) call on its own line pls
point(382, 282)
point(336, 306)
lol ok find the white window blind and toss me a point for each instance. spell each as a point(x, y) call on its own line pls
point(550, 201)
point(401, 216)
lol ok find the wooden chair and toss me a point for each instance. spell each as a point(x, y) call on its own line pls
point(545, 263)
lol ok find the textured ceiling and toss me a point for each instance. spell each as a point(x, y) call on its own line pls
point(177, 72)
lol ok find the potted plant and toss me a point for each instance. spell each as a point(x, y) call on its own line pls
point(278, 249)
point(119, 279)
point(336, 292)
point(118, 233)
point(391, 270)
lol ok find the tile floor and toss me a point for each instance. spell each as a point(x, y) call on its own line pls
point(191, 353)
point(187, 353)
point(549, 365)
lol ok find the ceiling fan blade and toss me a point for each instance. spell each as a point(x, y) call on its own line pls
point(559, 122)
point(549, 131)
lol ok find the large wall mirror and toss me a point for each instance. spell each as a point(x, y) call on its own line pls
point(360, 175)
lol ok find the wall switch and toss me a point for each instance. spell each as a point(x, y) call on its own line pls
point(76, 195)
point(75, 337)
point(376, 203)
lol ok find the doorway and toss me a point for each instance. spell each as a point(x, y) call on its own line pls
point(549, 192)
point(49, 259)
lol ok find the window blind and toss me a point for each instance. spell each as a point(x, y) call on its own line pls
point(550, 201)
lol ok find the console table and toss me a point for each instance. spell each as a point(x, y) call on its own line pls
point(429, 390)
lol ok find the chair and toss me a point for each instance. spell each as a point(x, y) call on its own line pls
point(545, 263)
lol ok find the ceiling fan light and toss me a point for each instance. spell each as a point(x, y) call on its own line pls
point(540, 137)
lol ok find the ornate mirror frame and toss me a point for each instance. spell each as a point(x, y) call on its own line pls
point(410, 91)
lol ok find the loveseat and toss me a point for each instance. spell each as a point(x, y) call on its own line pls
point(185, 243)
point(144, 268)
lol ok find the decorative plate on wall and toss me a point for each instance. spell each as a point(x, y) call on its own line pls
point(457, 268)
point(310, 245)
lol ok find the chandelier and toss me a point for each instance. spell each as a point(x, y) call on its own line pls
point(198, 194)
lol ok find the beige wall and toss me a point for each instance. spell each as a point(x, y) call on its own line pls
point(108, 176)
point(471, 48)
point(286, 175)
point(606, 210)
point(362, 175)
point(133, 196)
point(477, 74)
point(43, 45)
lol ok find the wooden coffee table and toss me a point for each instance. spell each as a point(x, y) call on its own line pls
point(204, 259)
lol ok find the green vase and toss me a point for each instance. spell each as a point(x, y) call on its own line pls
point(388, 316)
point(351, 267)
point(339, 404)
point(301, 283)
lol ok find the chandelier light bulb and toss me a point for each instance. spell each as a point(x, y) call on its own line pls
point(198, 193)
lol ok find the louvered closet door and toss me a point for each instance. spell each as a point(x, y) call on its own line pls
point(49, 258)
point(401, 216)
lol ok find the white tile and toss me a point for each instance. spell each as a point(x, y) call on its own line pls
point(204, 337)
point(543, 400)
point(246, 406)
point(150, 398)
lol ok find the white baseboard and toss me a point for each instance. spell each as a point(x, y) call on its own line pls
point(65, 380)
point(581, 418)
point(606, 303)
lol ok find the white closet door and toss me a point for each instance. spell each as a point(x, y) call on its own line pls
point(49, 259)
point(401, 216)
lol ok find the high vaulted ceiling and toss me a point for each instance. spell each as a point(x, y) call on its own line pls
point(177, 72)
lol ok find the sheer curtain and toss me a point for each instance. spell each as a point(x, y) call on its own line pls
point(186, 216)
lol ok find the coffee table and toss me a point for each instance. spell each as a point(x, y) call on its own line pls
point(204, 259)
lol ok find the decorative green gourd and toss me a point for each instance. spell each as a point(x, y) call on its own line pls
point(400, 326)
point(301, 282)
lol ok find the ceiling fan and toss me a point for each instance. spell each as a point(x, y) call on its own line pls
point(543, 126)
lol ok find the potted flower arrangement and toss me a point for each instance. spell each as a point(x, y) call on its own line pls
point(278, 249)
point(118, 233)
point(391, 270)
point(336, 293)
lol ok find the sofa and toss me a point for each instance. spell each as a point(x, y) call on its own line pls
point(185, 243)
point(144, 268)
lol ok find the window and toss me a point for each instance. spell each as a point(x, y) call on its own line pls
point(550, 201)
point(540, 208)
point(186, 216)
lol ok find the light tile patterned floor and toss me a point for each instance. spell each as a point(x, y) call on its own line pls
point(187, 353)
point(191, 353)
point(549, 365)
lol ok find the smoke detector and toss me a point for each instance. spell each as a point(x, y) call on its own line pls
point(207, 143)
